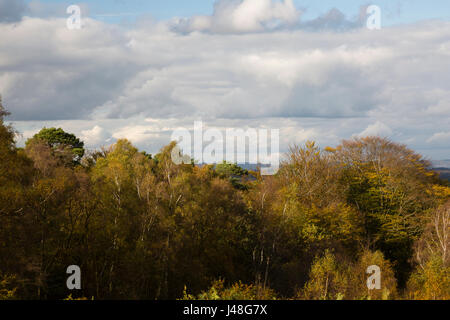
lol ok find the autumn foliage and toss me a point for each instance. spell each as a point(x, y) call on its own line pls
point(141, 227)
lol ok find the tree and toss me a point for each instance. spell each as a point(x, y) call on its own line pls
point(233, 172)
point(7, 287)
point(392, 187)
point(60, 141)
point(311, 176)
point(144, 227)
point(3, 112)
point(431, 279)
point(358, 276)
point(338, 278)
point(328, 279)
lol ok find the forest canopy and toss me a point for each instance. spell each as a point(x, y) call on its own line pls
point(141, 227)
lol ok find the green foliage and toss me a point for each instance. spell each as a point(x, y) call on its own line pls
point(230, 169)
point(234, 173)
point(58, 139)
point(391, 187)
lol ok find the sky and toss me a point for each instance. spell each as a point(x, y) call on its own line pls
point(396, 11)
point(141, 69)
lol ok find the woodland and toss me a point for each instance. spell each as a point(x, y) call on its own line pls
point(142, 228)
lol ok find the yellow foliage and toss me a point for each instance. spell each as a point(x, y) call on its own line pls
point(237, 291)
point(7, 289)
point(70, 298)
point(432, 282)
point(440, 192)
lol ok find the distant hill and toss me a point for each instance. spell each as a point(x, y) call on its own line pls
point(443, 168)
point(441, 164)
point(444, 173)
point(245, 166)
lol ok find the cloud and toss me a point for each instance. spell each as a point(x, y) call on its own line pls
point(103, 81)
point(41, 9)
point(65, 74)
point(240, 16)
point(337, 21)
point(97, 136)
point(440, 138)
point(248, 16)
point(136, 134)
point(376, 129)
point(11, 10)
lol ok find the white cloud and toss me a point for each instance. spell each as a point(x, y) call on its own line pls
point(376, 129)
point(238, 16)
point(441, 138)
point(137, 133)
point(97, 136)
